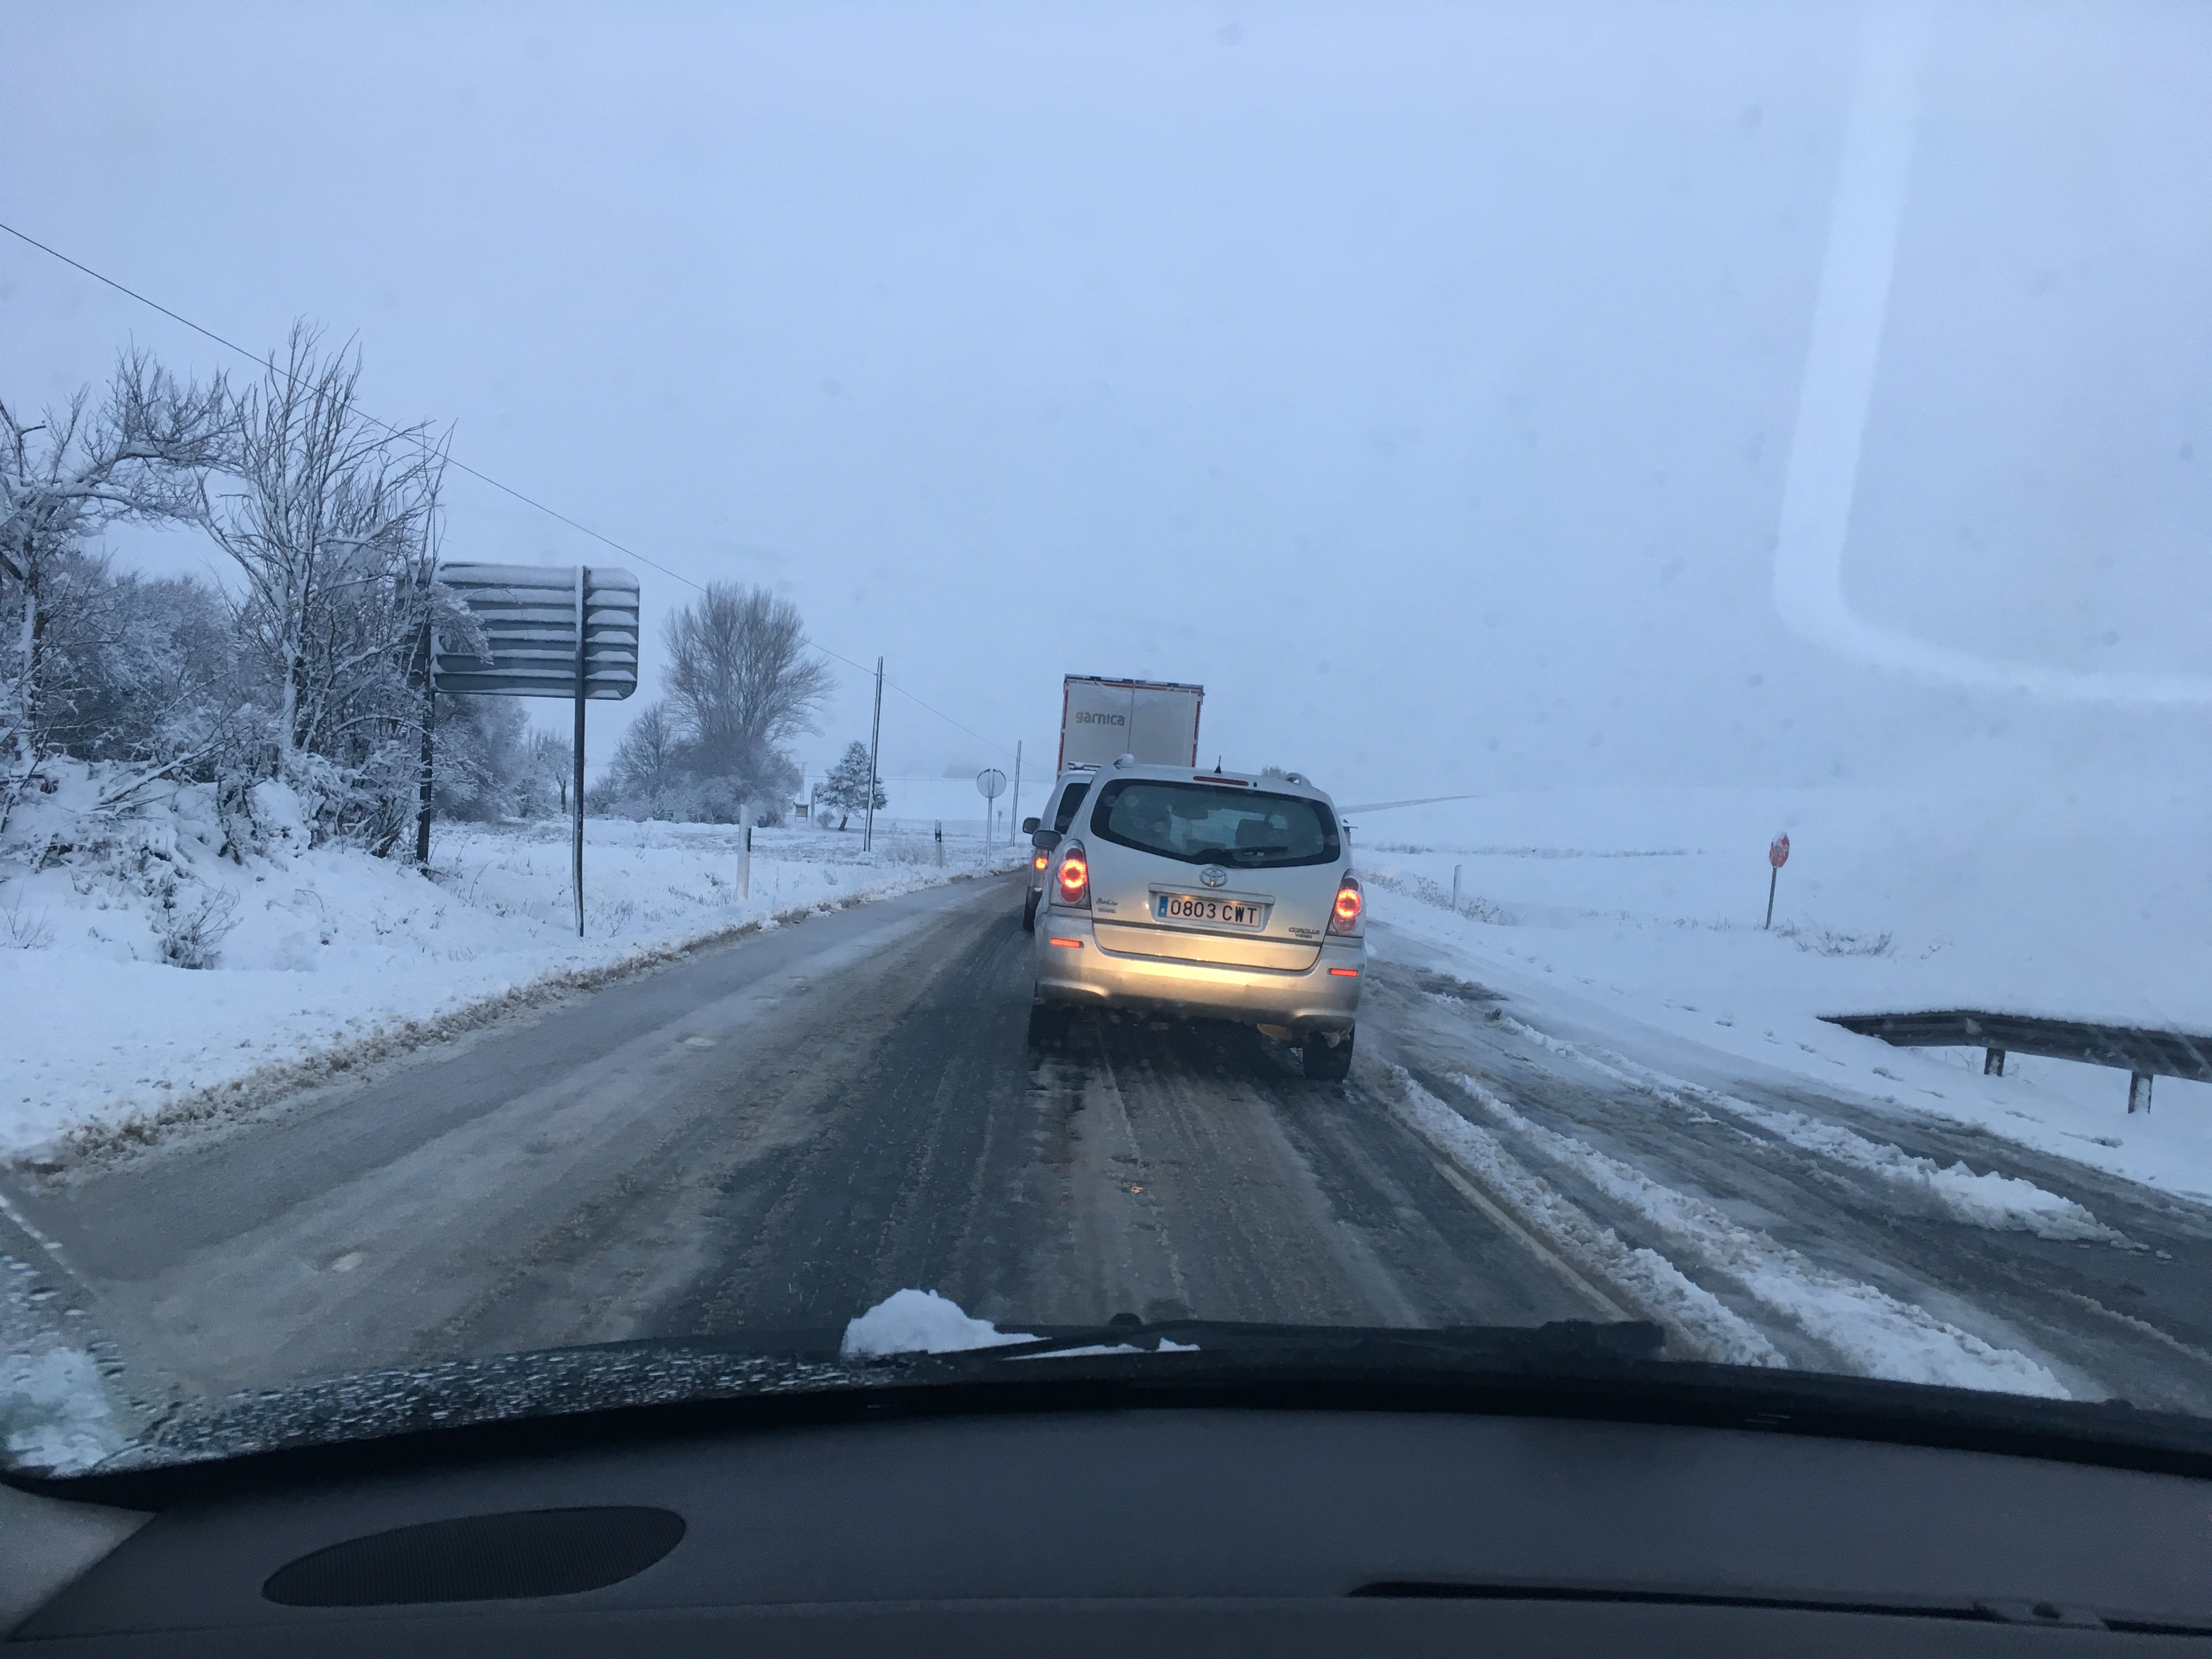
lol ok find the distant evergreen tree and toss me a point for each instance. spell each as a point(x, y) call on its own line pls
point(846, 789)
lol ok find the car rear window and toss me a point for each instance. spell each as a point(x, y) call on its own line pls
point(1210, 824)
point(1068, 803)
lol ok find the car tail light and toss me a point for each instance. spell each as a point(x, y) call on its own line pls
point(1074, 881)
point(1041, 859)
point(1344, 916)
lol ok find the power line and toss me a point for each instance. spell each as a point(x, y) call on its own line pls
point(463, 466)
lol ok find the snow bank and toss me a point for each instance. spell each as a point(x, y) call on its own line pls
point(1587, 907)
point(171, 951)
point(920, 1322)
point(1871, 1331)
point(1698, 1319)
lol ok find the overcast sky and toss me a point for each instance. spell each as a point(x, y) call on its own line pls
point(1421, 379)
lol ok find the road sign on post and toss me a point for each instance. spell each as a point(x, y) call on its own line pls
point(1778, 854)
point(992, 782)
point(549, 631)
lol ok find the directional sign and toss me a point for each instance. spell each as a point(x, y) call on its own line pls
point(549, 632)
point(531, 616)
point(992, 781)
point(1779, 853)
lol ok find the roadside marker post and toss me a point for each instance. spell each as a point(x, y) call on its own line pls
point(1778, 854)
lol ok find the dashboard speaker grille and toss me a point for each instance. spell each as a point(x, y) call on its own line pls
point(481, 1558)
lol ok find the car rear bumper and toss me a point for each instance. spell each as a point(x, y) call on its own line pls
point(1081, 973)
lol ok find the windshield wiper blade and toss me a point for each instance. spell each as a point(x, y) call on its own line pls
point(1515, 1347)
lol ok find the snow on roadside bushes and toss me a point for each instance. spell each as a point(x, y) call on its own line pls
point(171, 947)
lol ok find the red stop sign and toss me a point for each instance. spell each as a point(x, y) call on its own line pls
point(1779, 853)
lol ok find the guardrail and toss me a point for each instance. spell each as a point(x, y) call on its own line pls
point(2143, 1055)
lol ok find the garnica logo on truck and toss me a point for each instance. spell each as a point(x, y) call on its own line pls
point(1082, 718)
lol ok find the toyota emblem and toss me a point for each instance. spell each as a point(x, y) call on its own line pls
point(1213, 875)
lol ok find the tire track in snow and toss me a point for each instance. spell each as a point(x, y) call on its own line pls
point(2000, 1202)
point(1703, 1324)
point(1871, 1330)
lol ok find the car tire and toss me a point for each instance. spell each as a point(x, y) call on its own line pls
point(1048, 1025)
point(1028, 914)
point(1325, 1063)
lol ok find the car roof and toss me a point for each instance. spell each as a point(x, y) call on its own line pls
point(1287, 784)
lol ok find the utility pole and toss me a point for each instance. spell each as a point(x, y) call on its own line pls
point(583, 590)
point(875, 737)
point(1014, 801)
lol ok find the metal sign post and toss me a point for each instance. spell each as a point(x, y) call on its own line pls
point(993, 784)
point(549, 632)
point(1778, 854)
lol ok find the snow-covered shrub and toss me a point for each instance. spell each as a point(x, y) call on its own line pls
point(1834, 941)
point(20, 931)
point(191, 927)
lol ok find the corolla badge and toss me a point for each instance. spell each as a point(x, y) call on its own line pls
point(1213, 875)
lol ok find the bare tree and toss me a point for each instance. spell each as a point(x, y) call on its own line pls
point(551, 766)
point(740, 679)
point(139, 454)
point(334, 528)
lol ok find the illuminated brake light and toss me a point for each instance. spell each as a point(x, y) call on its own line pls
point(1344, 916)
point(1341, 973)
point(1072, 944)
point(1073, 885)
point(1041, 860)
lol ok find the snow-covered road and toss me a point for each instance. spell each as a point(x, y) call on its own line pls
point(780, 1132)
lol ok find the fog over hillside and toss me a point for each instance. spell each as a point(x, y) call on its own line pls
point(1422, 379)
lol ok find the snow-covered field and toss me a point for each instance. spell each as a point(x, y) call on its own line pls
point(1592, 908)
point(312, 954)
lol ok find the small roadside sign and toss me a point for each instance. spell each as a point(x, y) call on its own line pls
point(1778, 854)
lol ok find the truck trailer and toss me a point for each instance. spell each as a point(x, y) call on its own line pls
point(1103, 720)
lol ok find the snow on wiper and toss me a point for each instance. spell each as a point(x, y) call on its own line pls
point(920, 1322)
point(915, 1323)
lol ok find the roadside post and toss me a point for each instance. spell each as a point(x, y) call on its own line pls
point(992, 782)
point(1014, 801)
point(1778, 854)
point(1455, 888)
point(940, 843)
point(745, 855)
point(549, 631)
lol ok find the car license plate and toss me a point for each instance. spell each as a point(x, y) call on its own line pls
point(1187, 907)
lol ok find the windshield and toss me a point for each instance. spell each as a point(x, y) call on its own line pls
point(1211, 824)
point(546, 558)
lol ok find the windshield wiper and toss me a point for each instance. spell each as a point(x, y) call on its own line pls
point(1246, 1345)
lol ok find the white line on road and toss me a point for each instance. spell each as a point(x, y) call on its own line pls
point(1529, 1241)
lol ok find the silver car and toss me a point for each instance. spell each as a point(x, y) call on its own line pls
point(1208, 893)
point(1044, 830)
